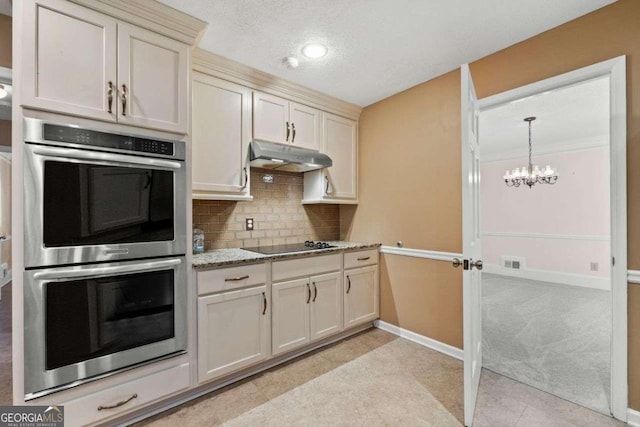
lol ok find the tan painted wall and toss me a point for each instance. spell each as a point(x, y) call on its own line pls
point(394, 204)
point(5, 41)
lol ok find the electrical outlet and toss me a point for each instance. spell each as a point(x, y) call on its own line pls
point(594, 266)
point(248, 224)
point(515, 264)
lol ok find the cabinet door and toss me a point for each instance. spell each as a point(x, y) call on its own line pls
point(221, 132)
point(326, 305)
point(153, 75)
point(306, 126)
point(270, 118)
point(290, 314)
point(341, 144)
point(361, 296)
point(233, 331)
point(69, 58)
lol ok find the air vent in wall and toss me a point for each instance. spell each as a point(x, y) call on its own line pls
point(512, 262)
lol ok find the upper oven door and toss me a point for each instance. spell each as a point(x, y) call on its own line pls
point(85, 206)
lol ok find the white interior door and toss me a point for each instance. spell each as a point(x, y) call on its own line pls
point(471, 275)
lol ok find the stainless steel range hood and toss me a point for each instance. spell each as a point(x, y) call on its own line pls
point(268, 155)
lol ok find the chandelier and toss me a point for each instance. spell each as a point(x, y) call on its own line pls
point(530, 175)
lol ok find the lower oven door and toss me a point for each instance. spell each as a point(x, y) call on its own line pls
point(86, 322)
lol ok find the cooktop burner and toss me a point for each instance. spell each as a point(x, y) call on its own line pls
point(309, 245)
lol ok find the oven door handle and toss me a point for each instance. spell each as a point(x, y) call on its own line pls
point(70, 153)
point(71, 273)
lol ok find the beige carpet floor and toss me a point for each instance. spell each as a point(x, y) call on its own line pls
point(6, 391)
point(375, 379)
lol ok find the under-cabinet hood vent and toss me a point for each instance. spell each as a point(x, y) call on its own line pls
point(268, 155)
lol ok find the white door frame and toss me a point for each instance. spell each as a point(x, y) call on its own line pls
point(615, 69)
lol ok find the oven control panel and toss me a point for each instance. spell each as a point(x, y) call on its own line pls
point(107, 140)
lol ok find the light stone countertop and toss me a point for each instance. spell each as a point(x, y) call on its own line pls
point(226, 257)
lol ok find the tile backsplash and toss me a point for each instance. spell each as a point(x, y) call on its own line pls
point(278, 215)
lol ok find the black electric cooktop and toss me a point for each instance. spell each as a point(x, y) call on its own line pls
point(309, 245)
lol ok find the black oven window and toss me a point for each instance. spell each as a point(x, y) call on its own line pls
point(95, 317)
point(88, 204)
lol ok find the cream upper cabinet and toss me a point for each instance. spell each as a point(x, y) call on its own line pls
point(69, 59)
point(338, 183)
point(278, 120)
point(80, 62)
point(153, 73)
point(221, 132)
point(306, 126)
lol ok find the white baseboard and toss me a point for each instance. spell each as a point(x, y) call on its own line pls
point(633, 418)
point(420, 339)
point(602, 283)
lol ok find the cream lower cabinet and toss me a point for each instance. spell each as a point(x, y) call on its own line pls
point(290, 314)
point(305, 310)
point(307, 300)
point(234, 324)
point(361, 295)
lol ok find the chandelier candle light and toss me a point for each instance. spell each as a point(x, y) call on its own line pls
point(530, 175)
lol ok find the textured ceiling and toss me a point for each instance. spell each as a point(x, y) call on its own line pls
point(376, 47)
point(567, 116)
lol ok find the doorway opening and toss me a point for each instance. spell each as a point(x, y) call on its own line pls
point(546, 285)
point(615, 71)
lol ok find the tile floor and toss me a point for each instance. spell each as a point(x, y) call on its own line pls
point(372, 379)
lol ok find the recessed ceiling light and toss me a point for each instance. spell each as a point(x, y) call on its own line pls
point(314, 50)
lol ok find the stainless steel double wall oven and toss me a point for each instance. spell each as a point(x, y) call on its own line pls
point(104, 245)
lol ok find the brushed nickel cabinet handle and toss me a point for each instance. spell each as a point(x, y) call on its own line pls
point(288, 130)
point(293, 132)
point(117, 405)
point(236, 279)
point(308, 293)
point(124, 100)
point(315, 292)
point(364, 258)
point(110, 95)
point(246, 178)
point(349, 284)
point(326, 187)
point(264, 302)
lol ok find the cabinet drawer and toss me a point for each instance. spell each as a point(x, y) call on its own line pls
point(84, 411)
point(226, 279)
point(360, 258)
point(305, 266)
